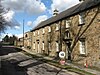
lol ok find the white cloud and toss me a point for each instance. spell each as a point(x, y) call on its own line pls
point(19, 35)
point(31, 6)
point(35, 7)
point(29, 23)
point(39, 19)
point(14, 4)
point(9, 15)
point(17, 27)
point(62, 5)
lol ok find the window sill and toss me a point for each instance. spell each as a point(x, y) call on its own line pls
point(81, 24)
point(83, 55)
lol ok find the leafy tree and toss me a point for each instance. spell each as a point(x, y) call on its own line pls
point(6, 38)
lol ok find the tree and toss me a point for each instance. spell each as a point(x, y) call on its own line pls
point(10, 39)
point(4, 24)
point(6, 38)
point(78, 35)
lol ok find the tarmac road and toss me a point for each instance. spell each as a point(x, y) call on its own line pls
point(14, 62)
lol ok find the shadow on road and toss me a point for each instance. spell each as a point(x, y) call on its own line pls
point(4, 50)
point(9, 69)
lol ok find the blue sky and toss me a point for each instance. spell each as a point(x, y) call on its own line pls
point(33, 12)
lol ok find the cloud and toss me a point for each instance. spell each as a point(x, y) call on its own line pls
point(15, 4)
point(29, 6)
point(29, 23)
point(39, 19)
point(35, 7)
point(9, 15)
point(17, 27)
point(19, 35)
point(62, 5)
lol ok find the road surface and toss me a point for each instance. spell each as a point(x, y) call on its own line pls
point(14, 62)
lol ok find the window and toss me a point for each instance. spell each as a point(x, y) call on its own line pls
point(26, 35)
point(82, 46)
point(49, 29)
point(43, 45)
point(57, 26)
point(34, 33)
point(67, 34)
point(49, 46)
point(81, 18)
point(38, 32)
point(43, 31)
point(67, 24)
point(34, 45)
point(57, 46)
point(38, 47)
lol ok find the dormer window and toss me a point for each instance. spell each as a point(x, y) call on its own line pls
point(67, 24)
point(81, 19)
point(49, 29)
point(57, 26)
point(43, 31)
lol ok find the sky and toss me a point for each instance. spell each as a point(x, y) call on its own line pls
point(32, 12)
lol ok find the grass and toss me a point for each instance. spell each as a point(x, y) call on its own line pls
point(57, 64)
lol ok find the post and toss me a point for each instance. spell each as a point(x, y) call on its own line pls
point(23, 33)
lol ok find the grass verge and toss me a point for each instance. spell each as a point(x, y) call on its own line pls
point(57, 64)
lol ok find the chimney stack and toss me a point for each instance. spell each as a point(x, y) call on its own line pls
point(55, 12)
point(81, 0)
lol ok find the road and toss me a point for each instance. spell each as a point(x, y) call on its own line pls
point(14, 62)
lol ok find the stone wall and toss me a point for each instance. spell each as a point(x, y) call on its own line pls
point(90, 31)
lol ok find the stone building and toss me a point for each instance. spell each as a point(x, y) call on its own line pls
point(27, 40)
point(75, 31)
point(19, 42)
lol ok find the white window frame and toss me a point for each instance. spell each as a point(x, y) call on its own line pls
point(57, 46)
point(38, 32)
point(49, 29)
point(68, 34)
point(34, 45)
point(34, 33)
point(67, 24)
point(43, 30)
point(42, 45)
point(81, 18)
point(82, 47)
point(49, 46)
point(57, 26)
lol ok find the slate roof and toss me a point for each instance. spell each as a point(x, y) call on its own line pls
point(88, 4)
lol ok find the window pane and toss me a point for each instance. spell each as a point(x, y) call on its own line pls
point(81, 18)
point(49, 29)
point(82, 47)
point(67, 24)
point(57, 46)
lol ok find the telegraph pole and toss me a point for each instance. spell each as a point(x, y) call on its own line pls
point(23, 32)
